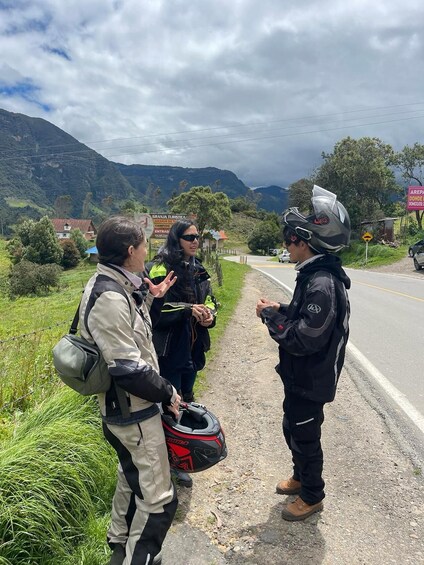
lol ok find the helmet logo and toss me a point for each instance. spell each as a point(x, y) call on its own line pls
point(314, 308)
point(322, 220)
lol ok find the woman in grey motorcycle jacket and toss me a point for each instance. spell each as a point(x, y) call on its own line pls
point(114, 314)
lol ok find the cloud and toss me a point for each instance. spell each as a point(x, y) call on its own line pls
point(258, 88)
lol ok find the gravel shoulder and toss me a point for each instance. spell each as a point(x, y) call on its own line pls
point(374, 508)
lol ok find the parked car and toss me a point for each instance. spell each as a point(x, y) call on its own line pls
point(284, 257)
point(414, 248)
point(419, 258)
point(273, 252)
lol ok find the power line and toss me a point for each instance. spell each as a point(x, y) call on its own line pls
point(76, 154)
point(252, 124)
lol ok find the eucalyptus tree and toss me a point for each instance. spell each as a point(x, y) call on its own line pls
point(410, 162)
point(360, 172)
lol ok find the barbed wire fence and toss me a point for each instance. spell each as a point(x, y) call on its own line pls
point(26, 366)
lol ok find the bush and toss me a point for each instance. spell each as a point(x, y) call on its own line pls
point(71, 255)
point(28, 278)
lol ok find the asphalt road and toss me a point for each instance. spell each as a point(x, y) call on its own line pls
point(387, 337)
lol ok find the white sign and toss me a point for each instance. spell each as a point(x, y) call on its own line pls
point(146, 222)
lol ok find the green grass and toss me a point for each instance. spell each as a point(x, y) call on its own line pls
point(29, 328)
point(50, 481)
point(228, 296)
point(21, 203)
point(378, 255)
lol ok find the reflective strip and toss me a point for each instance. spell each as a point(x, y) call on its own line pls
point(157, 271)
point(305, 422)
point(173, 309)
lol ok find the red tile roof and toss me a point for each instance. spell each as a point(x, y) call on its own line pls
point(84, 225)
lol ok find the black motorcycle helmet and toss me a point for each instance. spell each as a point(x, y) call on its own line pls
point(325, 231)
point(196, 441)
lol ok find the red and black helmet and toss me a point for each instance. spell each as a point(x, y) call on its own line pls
point(196, 441)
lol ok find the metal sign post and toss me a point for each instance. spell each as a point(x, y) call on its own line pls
point(367, 237)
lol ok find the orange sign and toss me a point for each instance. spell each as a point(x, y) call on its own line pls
point(163, 222)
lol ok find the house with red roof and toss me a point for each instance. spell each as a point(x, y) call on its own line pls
point(63, 227)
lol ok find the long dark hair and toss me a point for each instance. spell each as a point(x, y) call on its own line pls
point(114, 237)
point(171, 254)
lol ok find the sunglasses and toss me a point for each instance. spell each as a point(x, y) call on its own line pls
point(190, 237)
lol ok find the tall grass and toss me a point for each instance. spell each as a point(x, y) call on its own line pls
point(354, 255)
point(29, 328)
point(55, 473)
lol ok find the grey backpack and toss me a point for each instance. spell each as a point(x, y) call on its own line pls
point(80, 363)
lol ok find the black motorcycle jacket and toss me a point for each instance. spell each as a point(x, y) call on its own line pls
point(172, 316)
point(312, 331)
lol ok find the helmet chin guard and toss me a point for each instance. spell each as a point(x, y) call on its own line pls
point(325, 231)
point(196, 440)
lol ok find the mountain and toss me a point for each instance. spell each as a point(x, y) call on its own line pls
point(41, 165)
point(39, 162)
point(146, 179)
point(272, 198)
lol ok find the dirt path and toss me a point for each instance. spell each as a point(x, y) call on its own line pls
point(374, 509)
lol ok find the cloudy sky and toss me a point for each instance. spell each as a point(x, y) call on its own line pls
point(257, 87)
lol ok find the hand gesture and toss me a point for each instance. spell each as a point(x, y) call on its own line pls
point(159, 290)
point(265, 303)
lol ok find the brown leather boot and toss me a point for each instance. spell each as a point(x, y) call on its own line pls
point(299, 510)
point(289, 486)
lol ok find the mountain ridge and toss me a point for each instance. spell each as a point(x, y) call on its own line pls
point(41, 163)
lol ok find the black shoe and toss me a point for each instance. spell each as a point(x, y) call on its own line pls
point(181, 478)
point(118, 555)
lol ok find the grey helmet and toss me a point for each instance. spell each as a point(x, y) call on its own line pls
point(327, 229)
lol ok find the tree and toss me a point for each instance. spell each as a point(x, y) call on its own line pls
point(63, 206)
point(71, 254)
point(107, 204)
point(265, 235)
point(81, 243)
point(86, 204)
point(359, 172)
point(212, 209)
point(130, 207)
point(15, 250)
point(300, 193)
point(43, 244)
point(410, 162)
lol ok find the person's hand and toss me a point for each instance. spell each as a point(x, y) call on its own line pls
point(174, 408)
point(198, 311)
point(265, 303)
point(159, 290)
point(207, 318)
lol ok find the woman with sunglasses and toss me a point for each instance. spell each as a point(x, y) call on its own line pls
point(187, 311)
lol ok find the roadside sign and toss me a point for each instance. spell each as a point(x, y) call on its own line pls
point(163, 222)
point(146, 222)
point(367, 236)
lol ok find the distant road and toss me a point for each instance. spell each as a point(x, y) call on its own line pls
point(386, 329)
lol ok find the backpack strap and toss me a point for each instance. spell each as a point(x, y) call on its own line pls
point(103, 284)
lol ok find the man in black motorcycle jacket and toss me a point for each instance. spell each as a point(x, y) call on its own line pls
point(312, 333)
